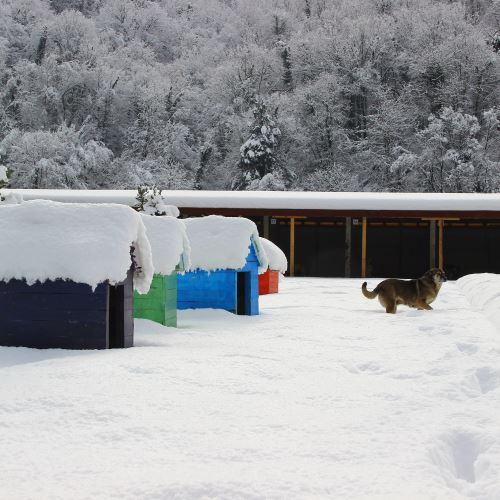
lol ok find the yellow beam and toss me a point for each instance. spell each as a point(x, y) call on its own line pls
point(363, 248)
point(292, 246)
point(440, 243)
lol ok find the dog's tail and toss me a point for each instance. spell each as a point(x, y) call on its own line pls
point(367, 293)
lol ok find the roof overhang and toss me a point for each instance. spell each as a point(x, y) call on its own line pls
point(300, 204)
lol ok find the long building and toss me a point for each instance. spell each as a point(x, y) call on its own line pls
point(349, 234)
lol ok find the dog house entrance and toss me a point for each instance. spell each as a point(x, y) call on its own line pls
point(116, 316)
point(242, 295)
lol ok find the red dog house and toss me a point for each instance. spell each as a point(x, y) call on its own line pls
point(269, 281)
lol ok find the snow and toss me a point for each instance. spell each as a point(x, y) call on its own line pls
point(86, 243)
point(169, 243)
point(321, 396)
point(222, 242)
point(277, 259)
point(170, 210)
point(3, 174)
point(10, 198)
point(483, 292)
point(286, 199)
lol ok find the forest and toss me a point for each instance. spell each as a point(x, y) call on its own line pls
point(315, 95)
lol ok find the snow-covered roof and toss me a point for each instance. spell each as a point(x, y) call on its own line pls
point(275, 256)
point(222, 242)
point(85, 243)
point(281, 200)
point(169, 243)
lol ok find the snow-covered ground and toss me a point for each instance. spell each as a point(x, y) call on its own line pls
point(322, 396)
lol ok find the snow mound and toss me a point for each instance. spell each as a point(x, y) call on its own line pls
point(169, 243)
point(222, 242)
point(85, 243)
point(10, 198)
point(275, 256)
point(483, 292)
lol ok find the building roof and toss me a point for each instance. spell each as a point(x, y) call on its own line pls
point(293, 202)
point(86, 243)
point(277, 259)
point(223, 242)
point(169, 243)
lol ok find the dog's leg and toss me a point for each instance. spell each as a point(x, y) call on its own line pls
point(423, 305)
point(391, 308)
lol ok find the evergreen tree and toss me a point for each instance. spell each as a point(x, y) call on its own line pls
point(260, 166)
point(152, 202)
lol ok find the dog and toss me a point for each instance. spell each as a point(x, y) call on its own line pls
point(417, 293)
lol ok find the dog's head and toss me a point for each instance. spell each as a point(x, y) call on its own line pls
point(436, 275)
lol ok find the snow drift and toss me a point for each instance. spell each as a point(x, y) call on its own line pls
point(483, 292)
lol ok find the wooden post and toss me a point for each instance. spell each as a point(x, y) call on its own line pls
point(347, 262)
point(363, 248)
point(432, 243)
point(266, 227)
point(440, 244)
point(292, 246)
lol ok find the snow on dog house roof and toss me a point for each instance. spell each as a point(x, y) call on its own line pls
point(293, 202)
point(169, 243)
point(85, 243)
point(276, 257)
point(222, 242)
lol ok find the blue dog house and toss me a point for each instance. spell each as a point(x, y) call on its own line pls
point(67, 273)
point(226, 258)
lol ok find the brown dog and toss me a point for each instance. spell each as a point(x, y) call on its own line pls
point(417, 293)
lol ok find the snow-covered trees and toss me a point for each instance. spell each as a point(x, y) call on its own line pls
point(118, 93)
point(4, 176)
point(452, 157)
point(58, 159)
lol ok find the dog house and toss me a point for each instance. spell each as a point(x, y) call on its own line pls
point(226, 258)
point(67, 273)
point(170, 250)
point(278, 264)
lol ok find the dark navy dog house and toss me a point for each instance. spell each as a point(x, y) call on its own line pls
point(234, 289)
point(67, 315)
point(72, 288)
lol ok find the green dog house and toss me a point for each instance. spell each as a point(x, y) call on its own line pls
point(170, 250)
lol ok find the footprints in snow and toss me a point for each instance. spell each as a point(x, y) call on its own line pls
point(488, 379)
point(435, 329)
point(370, 367)
point(458, 454)
point(482, 381)
point(467, 348)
